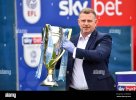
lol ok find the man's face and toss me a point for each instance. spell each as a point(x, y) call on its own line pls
point(87, 23)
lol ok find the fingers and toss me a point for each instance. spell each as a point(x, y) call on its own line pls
point(63, 42)
point(66, 40)
point(64, 45)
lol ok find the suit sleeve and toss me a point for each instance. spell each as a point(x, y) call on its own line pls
point(99, 53)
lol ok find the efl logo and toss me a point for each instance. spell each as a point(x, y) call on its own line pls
point(32, 10)
point(108, 7)
point(71, 7)
point(32, 48)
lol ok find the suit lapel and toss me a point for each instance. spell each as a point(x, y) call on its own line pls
point(91, 40)
point(75, 40)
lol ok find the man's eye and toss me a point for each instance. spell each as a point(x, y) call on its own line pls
point(89, 20)
point(83, 20)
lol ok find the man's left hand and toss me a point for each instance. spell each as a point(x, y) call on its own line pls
point(69, 46)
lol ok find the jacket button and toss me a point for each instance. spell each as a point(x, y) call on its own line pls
point(67, 72)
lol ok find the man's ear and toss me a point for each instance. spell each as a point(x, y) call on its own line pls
point(96, 21)
point(78, 21)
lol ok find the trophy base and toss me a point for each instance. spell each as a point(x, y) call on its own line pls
point(49, 81)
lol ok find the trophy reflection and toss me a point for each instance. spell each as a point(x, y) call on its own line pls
point(52, 38)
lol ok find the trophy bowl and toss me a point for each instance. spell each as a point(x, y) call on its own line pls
point(53, 37)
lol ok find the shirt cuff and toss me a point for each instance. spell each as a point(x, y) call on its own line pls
point(74, 53)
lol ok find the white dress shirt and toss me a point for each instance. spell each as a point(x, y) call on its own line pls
point(78, 77)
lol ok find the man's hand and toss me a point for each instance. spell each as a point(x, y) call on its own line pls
point(68, 45)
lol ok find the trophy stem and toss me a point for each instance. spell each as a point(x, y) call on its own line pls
point(50, 81)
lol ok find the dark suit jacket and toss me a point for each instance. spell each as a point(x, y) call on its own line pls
point(96, 58)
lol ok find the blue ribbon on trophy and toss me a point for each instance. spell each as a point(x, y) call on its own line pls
point(39, 69)
point(64, 59)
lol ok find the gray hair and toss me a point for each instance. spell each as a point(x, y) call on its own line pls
point(88, 11)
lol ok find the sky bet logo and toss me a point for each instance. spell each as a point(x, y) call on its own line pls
point(69, 7)
point(32, 40)
point(108, 7)
point(101, 7)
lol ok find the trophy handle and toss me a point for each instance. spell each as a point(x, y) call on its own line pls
point(58, 58)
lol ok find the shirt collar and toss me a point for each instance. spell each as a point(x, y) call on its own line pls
point(87, 37)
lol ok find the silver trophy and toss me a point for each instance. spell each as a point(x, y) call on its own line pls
point(52, 39)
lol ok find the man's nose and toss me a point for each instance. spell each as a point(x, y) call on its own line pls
point(86, 22)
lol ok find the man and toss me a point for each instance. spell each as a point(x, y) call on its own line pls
point(89, 54)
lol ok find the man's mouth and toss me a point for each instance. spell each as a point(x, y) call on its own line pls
point(85, 27)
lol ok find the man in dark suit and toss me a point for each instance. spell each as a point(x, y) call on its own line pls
point(88, 57)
